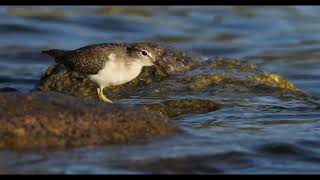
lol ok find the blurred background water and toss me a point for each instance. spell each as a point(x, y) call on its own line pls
point(280, 39)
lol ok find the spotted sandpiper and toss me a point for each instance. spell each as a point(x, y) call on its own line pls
point(108, 64)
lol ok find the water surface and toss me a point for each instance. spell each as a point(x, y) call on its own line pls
point(267, 135)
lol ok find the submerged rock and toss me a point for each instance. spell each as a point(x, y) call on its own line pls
point(184, 76)
point(215, 71)
point(234, 77)
point(173, 108)
point(273, 79)
point(42, 120)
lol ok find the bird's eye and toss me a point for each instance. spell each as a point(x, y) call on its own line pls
point(144, 53)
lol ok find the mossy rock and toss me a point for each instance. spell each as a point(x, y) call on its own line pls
point(276, 80)
point(58, 78)
point(214, 78)
point(174, 108)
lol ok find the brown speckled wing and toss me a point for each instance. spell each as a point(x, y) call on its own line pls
point(89, 59)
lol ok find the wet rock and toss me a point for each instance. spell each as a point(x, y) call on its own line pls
point(173, 108)
point(203, 81)
point(261, 83)
point(225, 63)
point(175, 60)
point(225, 74)
point(43, 120)
point(58, 78)
point(273, 79)
point(225, 80)
point(229, 75)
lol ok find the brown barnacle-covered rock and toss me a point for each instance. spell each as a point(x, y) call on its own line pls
point(45, 120)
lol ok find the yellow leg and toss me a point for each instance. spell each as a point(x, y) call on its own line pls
point(98, 92)
point(102, 97)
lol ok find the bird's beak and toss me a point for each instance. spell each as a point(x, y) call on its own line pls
point(157, 64)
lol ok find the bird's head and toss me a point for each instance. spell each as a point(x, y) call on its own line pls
point(144, 54)
point(148, 53)
point(147, 57)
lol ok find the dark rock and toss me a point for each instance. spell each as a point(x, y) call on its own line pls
point(42, 120)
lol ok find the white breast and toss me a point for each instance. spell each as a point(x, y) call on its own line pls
point(116, 72)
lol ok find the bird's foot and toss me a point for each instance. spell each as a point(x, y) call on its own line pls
point(102, 97)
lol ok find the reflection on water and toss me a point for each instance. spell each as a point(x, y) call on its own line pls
point(262, 137)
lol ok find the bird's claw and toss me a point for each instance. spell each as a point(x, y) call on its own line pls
point(102, 97)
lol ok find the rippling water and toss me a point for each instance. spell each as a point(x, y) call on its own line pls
point(260, 138)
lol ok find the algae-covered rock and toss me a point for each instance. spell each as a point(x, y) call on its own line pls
point(185, 77)
point(215, 74)
point(173, 108)
point(58, 78)
point(273, 79)
point(42, 120)
point(225, 63)
point(236, 75)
